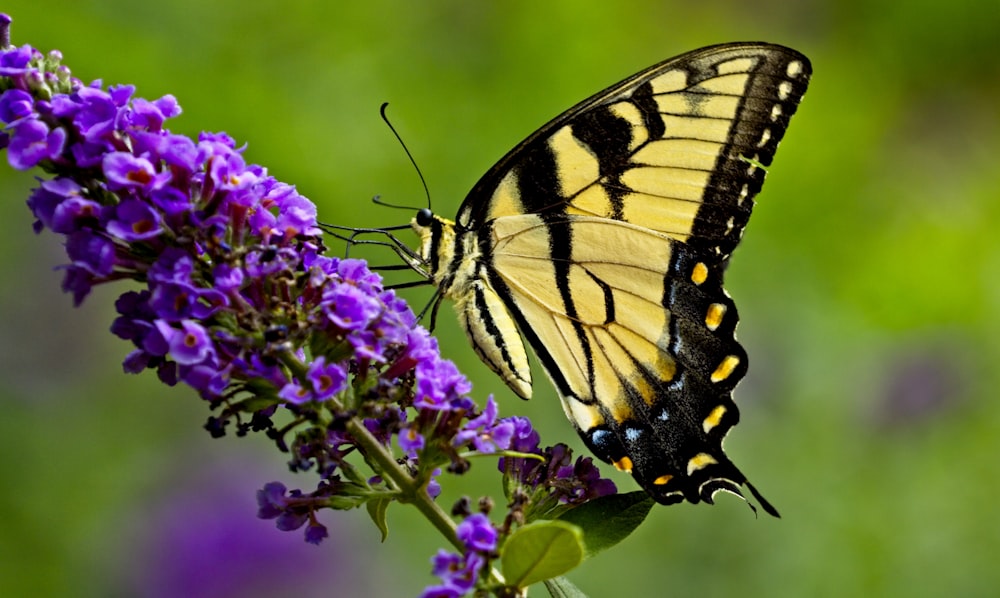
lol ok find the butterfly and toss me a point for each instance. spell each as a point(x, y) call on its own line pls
point(601, 240)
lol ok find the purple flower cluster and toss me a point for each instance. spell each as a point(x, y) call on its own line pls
point(228, 254)
point(237, 299)
point(460, 572)
point(291, 509)
point(545, 487)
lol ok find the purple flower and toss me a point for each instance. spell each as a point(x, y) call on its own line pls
point(420, 346)
point(173, 265)
point(478, 533)
point(126, 171)
point(14, 61)
point(351, 308)
point(555, 480)
point(78, 282)
point(227, 168)
point(150, 116)
point(74, 214)
point(135, 320)
point(442, 591)
point(46, 199)
point(173, 301)
point(32, 141)
point(156, 341)
point(270, 261)
point(92, 252)
point(172, 202)
point(357, 272)
point(411, 441)
point(439, 383)
point(271, 500)
point(189, 345)
point(206, 378)
point(524, 438)
point(175, 294)
point(368, 345)
point(295, 393)
point(327, 379)
point(433, 486)
point(135, 220)
point(16, 104)
point(591, 485)
point(297, 215)
point(262, 222)
point(94, 115)
point(316, 532)
point(227, 278)
point(136, 361)
point(457, 572)
point(177, 151)
point(484, 432)
point(291, 510)
point(87, 154)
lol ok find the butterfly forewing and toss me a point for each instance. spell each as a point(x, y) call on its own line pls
point(657, 147)
point(605, 235)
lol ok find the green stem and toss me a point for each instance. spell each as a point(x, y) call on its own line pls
point(409, 490)
point(373, 449)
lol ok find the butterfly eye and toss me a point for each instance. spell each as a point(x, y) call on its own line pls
point(425, 217)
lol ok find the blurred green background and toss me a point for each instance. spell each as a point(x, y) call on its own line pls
point(867, 283)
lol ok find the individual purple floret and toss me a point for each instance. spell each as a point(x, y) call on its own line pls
point(459, 572)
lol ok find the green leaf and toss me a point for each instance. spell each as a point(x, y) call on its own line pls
point(560, 587)
point(541, 550)
point(608, 520)
point(376, 510)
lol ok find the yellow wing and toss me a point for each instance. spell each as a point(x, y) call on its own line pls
point(646, 359)
point(677, 148)
point(602, 239)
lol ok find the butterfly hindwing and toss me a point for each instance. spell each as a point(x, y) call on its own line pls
point(603, 239)
point(641, 349)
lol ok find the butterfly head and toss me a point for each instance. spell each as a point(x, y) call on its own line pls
point(437, 242)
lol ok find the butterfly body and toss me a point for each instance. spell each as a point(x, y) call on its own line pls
point(601, 241)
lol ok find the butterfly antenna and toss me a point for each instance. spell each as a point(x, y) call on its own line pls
point(427, 192)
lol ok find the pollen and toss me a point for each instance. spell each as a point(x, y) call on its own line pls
point(140, 176)
point(141, 227)
point(662, 480)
